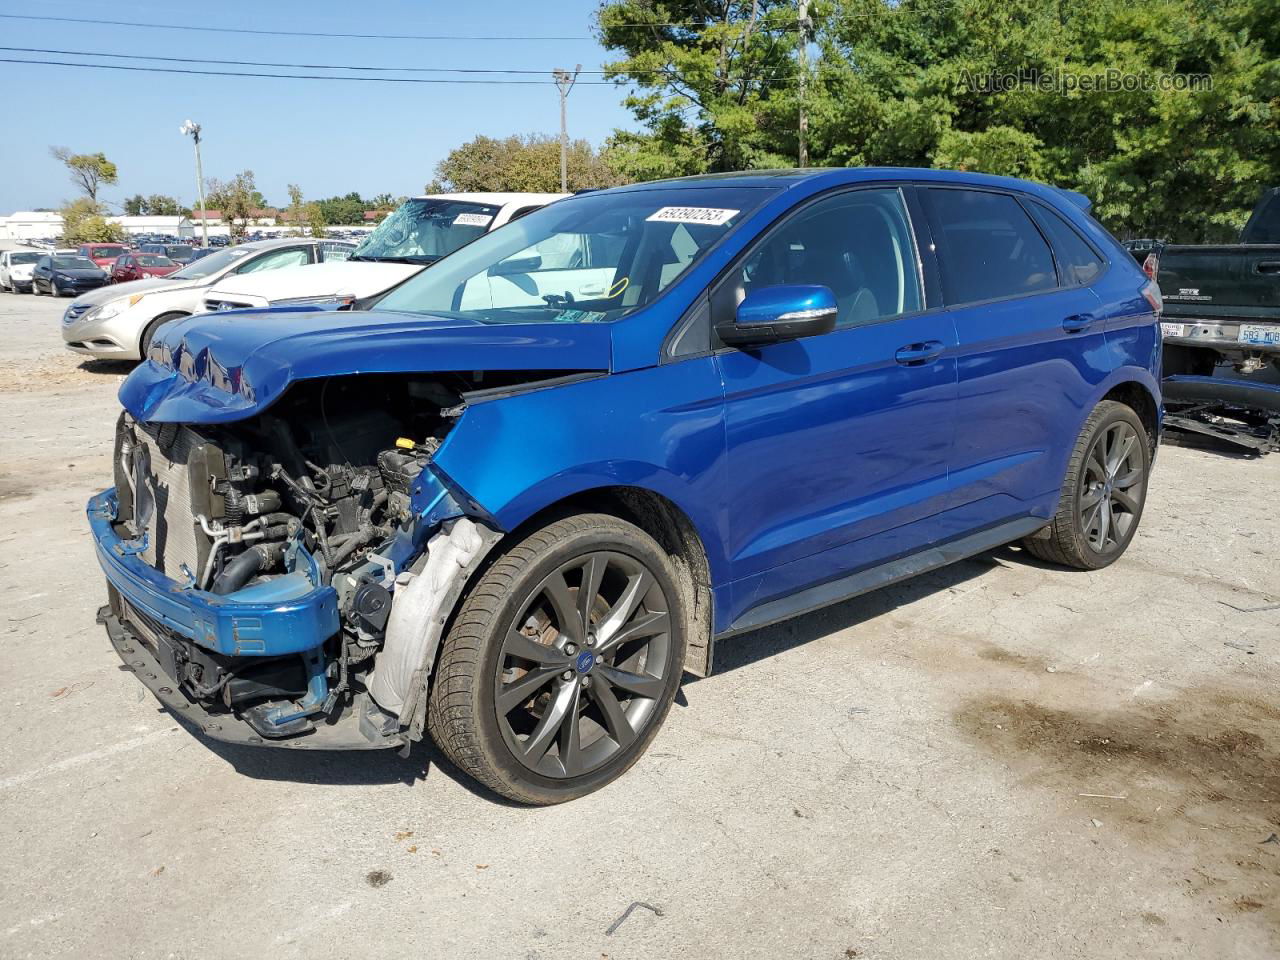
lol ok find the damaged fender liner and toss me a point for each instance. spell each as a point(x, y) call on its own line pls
point(424, 599)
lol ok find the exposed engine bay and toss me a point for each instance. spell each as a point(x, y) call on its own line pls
point(317, 491)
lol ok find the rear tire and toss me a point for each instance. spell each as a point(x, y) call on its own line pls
point(543, 693)
point(1104, 492)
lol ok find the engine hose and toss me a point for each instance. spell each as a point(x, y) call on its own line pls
point(322, 538)
point(245, 566)
point(233, 507)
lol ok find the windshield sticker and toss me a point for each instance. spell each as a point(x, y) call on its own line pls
point(577, 316)
point(472, 220)
point(710, 216)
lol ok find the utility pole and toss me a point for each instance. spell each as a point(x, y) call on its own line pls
point(193, 129)
point(564, 83)
point(804, 79)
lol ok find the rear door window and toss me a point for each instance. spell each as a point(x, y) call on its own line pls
point(1078, 263)
point(988, 246)
point(289, 257)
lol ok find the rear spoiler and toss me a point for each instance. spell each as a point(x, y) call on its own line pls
point(1079, 199)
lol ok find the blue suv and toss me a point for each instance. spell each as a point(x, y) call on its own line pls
point(511, 502)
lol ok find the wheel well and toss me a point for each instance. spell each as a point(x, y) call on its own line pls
point(154, 322)
point(1139, 399)
point(675, 533)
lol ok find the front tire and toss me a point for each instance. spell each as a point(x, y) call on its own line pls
point(53, 289)
point(1104, 492)
point(562, 661)
point(149, 333)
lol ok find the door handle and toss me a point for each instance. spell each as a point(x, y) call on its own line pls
point(1267, 266)
point(918, 354)
point(1077, 322)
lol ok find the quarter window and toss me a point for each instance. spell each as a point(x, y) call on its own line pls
point(989, 247)
point(859, 244)
point(1078, 265)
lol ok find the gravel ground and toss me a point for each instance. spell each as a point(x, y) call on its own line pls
point(997, 760)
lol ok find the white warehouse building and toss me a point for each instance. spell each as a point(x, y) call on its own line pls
point(30, 225)
point(170, 226)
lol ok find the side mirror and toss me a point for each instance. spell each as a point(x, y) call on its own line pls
point(510, 268)
point(784, 312)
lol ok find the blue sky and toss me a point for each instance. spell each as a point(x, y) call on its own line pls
point(327, 137)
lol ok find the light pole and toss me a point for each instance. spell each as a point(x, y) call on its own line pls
point(564, 83)
point(194, 130)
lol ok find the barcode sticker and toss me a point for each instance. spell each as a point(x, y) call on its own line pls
point(472, 220)
point(710, 216)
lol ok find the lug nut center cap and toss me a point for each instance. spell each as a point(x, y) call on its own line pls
point(585, 661)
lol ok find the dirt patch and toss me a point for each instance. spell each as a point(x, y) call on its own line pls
point(14, 488)
point(1197, 776)
point(994, 654)
point(47, 373)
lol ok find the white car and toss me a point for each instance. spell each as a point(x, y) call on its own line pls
point(420, 232)
point(15, 270)
point(117, 322)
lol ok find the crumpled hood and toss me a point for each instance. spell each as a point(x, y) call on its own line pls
point(218, 368)
point(359, 279)
point(116, 290)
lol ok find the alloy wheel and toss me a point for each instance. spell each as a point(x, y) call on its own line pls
point(582, 670)
point(1111, 491)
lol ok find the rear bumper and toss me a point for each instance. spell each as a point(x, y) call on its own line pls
point(1222, 336)
point(300, 617)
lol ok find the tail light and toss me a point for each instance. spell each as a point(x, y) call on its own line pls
point(1152, 293)
point(1151, 266)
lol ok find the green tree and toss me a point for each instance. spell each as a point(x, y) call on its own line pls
point(237, 198)
point(344, 210)
point(84, 221)
point(161, 205)
point(910, 83)
point(530, 163)
point(716, 84)
point(295, 211)
point(135, 205)
point(89, 171)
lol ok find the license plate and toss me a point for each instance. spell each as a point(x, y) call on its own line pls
point(1263, 336)
point(1173, 329)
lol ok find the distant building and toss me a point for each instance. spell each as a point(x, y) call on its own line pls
point(30, 225)
point(143, 226)
point(258, 218)
point(372, 216)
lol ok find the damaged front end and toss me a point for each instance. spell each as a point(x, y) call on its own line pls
point(285, 578)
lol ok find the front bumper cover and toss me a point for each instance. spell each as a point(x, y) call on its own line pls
point(296, 618)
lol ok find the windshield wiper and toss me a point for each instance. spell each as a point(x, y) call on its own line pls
point(423, 260)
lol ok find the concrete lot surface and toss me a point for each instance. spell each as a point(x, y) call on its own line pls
point(997, 760)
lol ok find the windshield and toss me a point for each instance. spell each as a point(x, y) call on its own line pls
point(207, 266)
point(180, 250)
point(153, 260)
point(106, 252)
point(16, 258)
point(426, 230)
point(74, 263)
point(588, 259)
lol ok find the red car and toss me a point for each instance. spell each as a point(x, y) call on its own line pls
point(139, 266)
point(103, 254)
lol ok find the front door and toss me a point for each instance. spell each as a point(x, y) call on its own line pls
point(838, 445)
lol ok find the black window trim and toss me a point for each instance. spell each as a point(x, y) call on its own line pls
point(1031, 203)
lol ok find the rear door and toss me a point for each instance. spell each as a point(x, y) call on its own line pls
point(1031, 348)
point(837, 444)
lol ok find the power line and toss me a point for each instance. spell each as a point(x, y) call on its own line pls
point(299, 66)
point(766, 23)
point(315, 76)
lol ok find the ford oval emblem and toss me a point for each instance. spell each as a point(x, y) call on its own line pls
point(586, 660)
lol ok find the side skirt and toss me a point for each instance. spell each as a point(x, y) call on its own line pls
point(873, 578)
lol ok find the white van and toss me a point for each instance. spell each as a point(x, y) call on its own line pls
point(420, 232)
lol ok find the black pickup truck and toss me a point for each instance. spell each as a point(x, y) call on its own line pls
point(1222, 301)
point(1222, 314)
